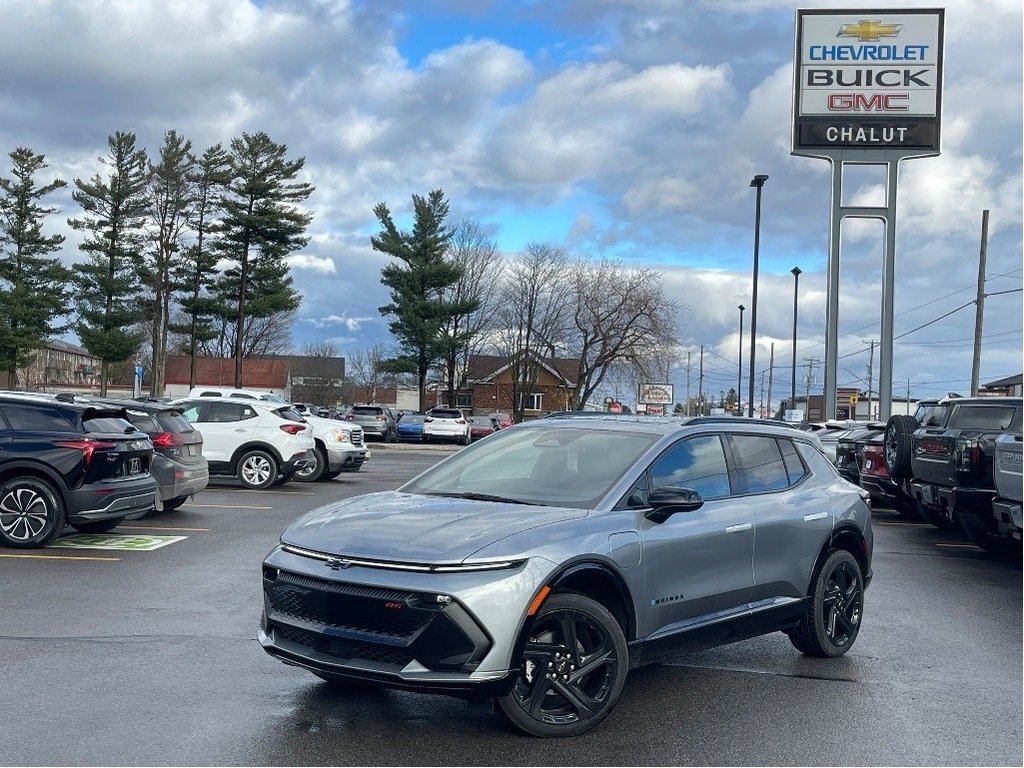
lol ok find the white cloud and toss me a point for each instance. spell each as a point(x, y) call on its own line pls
point(304, 261)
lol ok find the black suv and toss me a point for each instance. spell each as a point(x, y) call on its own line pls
point(67, 462)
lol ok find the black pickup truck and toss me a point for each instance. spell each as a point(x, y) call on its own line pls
point(952, 467)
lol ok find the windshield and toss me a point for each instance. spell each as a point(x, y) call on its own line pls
point(566, 467)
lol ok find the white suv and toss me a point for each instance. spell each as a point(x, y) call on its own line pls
point(446, 424)
point(260, 443)
point(339, 445)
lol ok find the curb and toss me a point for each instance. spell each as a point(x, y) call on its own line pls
point(382, 446)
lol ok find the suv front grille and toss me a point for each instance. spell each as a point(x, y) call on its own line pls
point(343, 648)
point(357, 437)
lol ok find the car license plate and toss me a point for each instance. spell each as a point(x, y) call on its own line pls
point(134, 466)
point(192, 450)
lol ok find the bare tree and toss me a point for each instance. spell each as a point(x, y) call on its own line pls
point(532, 314)
point(477, 254)
point(263, 336)
point(364, 368)
point(620, 316)
point(320, 373)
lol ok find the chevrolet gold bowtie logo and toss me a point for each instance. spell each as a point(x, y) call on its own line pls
point(869, 30)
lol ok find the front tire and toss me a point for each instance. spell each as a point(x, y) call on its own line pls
point(832, 622)
point(572, 671)
point(31, 513)
point(257, 470)
point(315, 472)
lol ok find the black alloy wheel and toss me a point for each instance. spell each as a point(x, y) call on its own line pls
point(832, 622)
point(31, 513)
point(573, 668)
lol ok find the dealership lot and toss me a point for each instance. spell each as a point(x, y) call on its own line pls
point(139, 655)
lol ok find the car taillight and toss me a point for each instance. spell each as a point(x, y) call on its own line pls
point(968, 454)
point(292, 429)
point(167, 440)
point(460, 421)
point(87, 447)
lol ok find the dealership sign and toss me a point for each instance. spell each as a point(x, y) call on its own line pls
point(655, 394)
point(868, 80)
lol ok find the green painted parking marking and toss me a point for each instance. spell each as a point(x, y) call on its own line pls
point(114, 541)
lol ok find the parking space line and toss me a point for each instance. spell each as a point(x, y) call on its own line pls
point(242, 490)
point(225, 506)
point(911, 525)
point(65, 557)
point(958, 546)
point(161, 528)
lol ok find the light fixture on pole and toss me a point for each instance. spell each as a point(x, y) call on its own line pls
point(739, 365)
point(757, 183)
point(796, 286)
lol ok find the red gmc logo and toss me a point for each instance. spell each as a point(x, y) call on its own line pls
point(876, 102)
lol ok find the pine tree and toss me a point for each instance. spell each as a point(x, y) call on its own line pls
point(171, 201)
point(33, 287)
point(111, 299)
point(195, 274)
point(261, 226)
point(417, 282)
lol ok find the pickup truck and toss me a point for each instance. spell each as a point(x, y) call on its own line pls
point(1006, 471)
point(952, 467)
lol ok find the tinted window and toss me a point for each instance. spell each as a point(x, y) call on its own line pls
point(289, 414)
point(987, 417)
point(144, 422)
point(795, 468)
point(223, 412)
point(817, 461)
point(209, 394)
point(411, 418)
point(29, 417)
point(108, 425)
point(697, 463)
point(932, 415)
point(761, 463)
point(445, 414)
point(366, 410)
point(172, 421)
point(243, 396)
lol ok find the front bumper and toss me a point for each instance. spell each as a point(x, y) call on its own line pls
point(114, 498)
point(389, 627)
point(1008, 516)
point(341, 456)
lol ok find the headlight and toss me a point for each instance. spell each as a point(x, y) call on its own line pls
point(340, 436)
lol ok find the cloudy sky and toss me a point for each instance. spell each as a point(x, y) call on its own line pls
point(614, 128)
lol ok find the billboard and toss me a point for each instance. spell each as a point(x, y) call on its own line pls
point(868, 80)
point(655, 394)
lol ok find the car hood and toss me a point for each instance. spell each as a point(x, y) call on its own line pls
point(408, 527)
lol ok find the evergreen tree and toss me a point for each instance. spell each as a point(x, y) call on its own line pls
point(261, 226)
point(110, 300)
point(195, 273)
point(33, 286)
point(171, 202)
point(417, 283)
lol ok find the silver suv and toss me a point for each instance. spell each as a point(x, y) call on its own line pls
point(376, 421)
point(538, 566)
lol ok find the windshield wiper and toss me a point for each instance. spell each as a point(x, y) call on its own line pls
point(482, 497)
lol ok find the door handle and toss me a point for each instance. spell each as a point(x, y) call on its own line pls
point(738, 527)
point(815, 516)
point(241, 429)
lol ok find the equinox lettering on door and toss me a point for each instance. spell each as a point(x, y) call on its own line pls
point(867, 79)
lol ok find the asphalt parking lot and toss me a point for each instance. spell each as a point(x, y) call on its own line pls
point(140, 656)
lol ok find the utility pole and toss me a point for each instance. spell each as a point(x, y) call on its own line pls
point(908, 397)
point(760, 408)
point(687, 383)
point(771, 369)
point(979, 313)
point(700, 384)
point(871, 362)
point(812, 365)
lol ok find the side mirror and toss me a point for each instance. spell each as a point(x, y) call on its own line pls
point(668, 500)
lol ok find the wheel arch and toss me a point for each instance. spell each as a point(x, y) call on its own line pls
point(848, 537)
point(257, 445)
point(600, 582)
point(24, 468)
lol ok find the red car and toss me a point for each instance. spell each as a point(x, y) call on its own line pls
point(482, 426)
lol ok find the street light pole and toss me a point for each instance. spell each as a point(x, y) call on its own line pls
point(796, 285)
point(739, 364)
point(757, 183)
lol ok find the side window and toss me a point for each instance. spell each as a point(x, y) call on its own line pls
point(697, 463)
point(190, 412)
point(220, 413)
point(795, 468)
point(761, 463)
point(248, 412)
point(28, 417)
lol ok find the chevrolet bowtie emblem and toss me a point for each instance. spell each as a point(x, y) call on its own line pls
point(869, 30)
point(337, 563)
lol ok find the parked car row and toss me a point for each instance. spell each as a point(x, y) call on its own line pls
point(956, 463)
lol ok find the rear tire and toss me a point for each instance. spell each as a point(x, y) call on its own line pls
point(31, 513)
point(572, 671)
point(898, 446)
point(257, 470)
point(98, 526)
point(935, 517)
point(832, 622)
point(980, 535)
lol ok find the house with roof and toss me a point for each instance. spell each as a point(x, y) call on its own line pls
point(1010, 386)
point(489, 386)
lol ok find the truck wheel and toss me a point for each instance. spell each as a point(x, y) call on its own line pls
point(898, 445)
point(984, 538)
point(935, 517)
point(313, 473)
